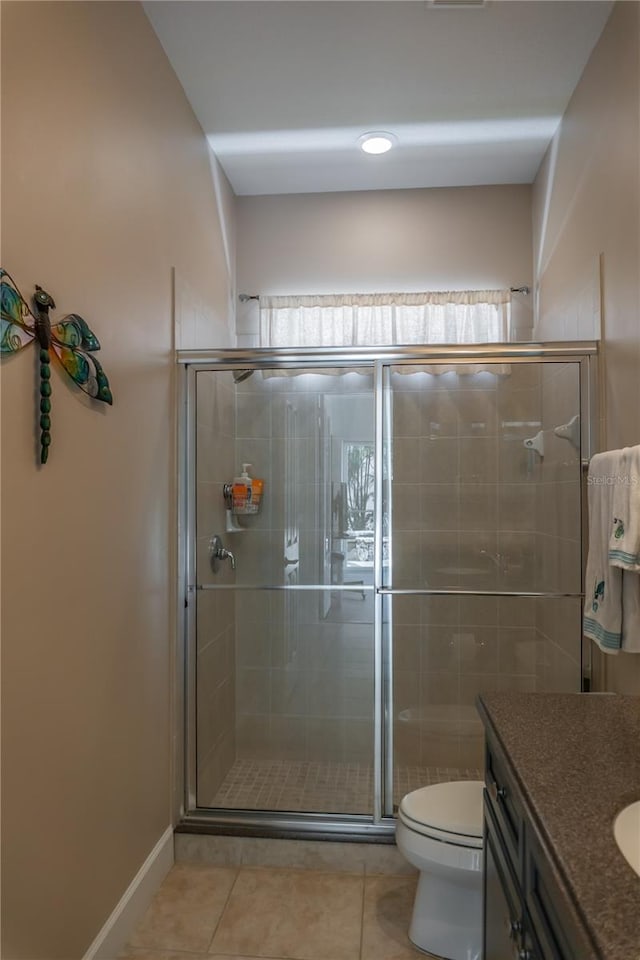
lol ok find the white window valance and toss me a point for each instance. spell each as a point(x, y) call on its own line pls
point(384, 319)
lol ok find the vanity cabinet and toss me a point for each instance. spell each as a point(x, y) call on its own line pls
point(559, 768)
point(526, 916)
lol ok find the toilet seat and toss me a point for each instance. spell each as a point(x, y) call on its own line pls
point(448, 812)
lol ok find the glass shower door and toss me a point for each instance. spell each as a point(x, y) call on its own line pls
point(483, 592)
point(285, 641)
point(418, 543)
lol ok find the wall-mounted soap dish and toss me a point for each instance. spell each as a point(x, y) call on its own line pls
point(232, 525)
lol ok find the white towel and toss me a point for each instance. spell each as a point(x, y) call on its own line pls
point(603, 583)
point(624, 541)
point(624, 544)
point(630, 612)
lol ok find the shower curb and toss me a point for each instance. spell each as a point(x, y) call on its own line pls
point(319, 855)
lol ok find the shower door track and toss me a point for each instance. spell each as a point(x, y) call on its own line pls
point(271, 357)
point(389, 591)
point(380, 826)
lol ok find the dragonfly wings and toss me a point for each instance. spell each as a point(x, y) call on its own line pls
point(83, 369)
point(17, 323)
point(73, 342)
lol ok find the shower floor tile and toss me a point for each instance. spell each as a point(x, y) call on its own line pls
point(320, 787)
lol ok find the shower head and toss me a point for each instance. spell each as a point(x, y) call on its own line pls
point(240, 375)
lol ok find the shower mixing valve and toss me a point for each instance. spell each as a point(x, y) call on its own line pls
point(219, 552)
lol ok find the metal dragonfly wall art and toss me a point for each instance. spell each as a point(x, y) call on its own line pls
point(70, 341)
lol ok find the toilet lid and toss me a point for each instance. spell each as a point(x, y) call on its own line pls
point(454, 808)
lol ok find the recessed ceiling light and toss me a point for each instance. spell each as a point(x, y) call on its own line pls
point(456, 4)
point(376, 142)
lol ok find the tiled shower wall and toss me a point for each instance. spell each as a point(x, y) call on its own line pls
point(463, 517)
point(463, 482)
point(472, 509)
point(475, 509)
point(446, 651)
point(558, 520)
point(304, 673)
point(215, 625)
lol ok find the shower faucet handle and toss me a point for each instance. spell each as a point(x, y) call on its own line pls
point(219, 552)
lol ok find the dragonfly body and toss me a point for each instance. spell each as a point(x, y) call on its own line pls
point(70, 341)
point(43, 302)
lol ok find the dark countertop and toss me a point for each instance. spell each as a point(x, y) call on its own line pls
point(576, 759)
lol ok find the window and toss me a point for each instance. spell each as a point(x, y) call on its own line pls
point(358, 471)
point(471, 316)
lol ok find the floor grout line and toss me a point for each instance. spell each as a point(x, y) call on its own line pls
point(314, 871)
point(358, 949)
point(226, 903)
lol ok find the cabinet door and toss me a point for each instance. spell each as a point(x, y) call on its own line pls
point(555, 935)
point(502, 898)
point(530, 949)
point(503, 799)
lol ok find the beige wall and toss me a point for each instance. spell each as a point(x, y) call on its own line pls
point(585, 211)
point(439, 239)
point(106, 185)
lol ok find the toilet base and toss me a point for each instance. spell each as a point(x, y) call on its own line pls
point(447, 916)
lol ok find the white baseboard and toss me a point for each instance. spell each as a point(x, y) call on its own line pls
point(134, 902)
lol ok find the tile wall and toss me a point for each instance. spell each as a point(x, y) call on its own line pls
point(289, 675)
point(474, 509)
point(558, 521)
point(463, 482)
point(304, 685)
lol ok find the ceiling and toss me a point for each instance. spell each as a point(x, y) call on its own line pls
point(283, 90)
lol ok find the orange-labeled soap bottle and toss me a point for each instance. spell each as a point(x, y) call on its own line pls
point(242, 490)
point(247, 492)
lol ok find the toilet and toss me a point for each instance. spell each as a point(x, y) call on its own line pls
point(439, 831)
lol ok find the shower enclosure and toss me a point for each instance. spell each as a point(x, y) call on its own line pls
point(419, 540)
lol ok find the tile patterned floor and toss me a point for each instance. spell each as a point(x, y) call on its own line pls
point(243, 913)
point(308, 786)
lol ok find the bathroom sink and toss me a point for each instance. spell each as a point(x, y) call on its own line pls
point(626, 830)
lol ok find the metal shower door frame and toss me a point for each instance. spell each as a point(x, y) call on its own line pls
point(381, 824)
